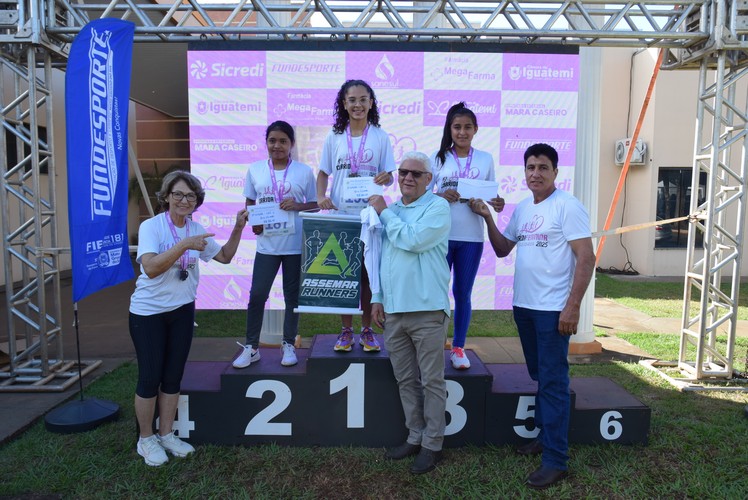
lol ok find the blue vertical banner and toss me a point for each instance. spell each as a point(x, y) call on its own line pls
point(97, 97)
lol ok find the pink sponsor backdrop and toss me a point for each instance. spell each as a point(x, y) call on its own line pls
point(519, 99)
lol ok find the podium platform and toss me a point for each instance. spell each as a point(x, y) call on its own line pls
point(341, 399)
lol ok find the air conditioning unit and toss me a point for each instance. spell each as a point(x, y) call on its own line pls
point(637, 158)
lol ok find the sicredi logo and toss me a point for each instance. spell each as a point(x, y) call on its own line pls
point(199, 70)
point(531, 72)
point(508, 184)
point(411, 108)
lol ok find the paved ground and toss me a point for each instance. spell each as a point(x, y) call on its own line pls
point(104, 336)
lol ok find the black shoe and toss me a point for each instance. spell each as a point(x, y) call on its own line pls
point(534, 447)
point(545, 476)
point(404, 450)
point(425, 461)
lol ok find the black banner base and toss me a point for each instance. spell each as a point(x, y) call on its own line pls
point(81, 415)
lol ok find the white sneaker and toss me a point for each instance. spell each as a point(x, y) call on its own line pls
point(247, 357)
point(459, 359)
point(289, 354)
point(175, 446)
point(150, 449)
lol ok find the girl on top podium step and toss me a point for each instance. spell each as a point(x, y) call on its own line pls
point(356, 146)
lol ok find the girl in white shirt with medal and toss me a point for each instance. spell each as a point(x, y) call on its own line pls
point(458, 159)
point(289, 184)
point(356, 146)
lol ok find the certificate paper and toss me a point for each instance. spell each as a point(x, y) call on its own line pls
point(474, 188)
point(360, 188)
point(266, 213)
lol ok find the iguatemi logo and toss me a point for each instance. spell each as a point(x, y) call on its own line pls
point(532, 72)
point(198, 70)
point(218, 107)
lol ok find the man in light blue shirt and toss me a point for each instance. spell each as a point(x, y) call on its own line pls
point(413, 307)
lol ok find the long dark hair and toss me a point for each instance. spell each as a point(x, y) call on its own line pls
point(458, 109)
point(341, 115)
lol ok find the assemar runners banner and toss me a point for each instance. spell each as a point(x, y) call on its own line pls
point(331, 262)
point(97, 92)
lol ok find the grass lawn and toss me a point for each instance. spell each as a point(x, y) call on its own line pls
point(658, 299)
point(697, 443)
point(697, 448)
point(233, 324)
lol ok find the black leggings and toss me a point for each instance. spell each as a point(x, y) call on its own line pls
point(162, 344)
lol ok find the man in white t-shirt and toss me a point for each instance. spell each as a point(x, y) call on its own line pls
point(553, 268)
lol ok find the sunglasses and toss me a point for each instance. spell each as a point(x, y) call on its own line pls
point(415, 173)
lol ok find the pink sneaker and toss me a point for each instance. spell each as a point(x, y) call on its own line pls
point(459, 359)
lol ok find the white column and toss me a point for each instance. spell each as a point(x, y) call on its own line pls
point(586, 177)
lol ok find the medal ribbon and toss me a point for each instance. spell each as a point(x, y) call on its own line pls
point(361, 147)
point(278, 189)
point(460, 172)
point(184, 258)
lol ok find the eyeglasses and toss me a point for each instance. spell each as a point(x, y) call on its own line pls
point(362, 101)
point(415, 173)
point(179, 196)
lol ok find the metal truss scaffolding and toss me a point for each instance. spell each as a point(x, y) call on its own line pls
point(720, 155)
point(34, 37)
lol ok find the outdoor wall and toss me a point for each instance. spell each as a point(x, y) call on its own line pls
point(614, 102)
point(668, 130)
point(672, 146)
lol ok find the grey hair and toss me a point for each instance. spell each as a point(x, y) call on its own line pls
point(419, 157)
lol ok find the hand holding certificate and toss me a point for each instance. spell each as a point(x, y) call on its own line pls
point(266, 213)
point(474, 188)
point(360, 188)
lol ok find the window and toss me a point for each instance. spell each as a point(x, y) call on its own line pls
point(674, 200)
point(11, 144)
